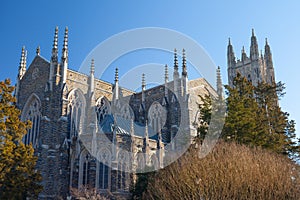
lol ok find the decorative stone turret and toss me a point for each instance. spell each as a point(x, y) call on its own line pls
point(22, 70)
point(22, 66)
point(116, 87)
point(92, 78)
point(269, 64)
point(166, 82)
point(176, 75)
point(184, 75)
point(254, 55)
point(54, 59)
point(219, 83)
point(64, 58)
point(143, 88)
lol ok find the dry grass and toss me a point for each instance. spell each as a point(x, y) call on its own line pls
point(231, 171)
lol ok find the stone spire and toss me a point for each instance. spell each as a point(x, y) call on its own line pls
point(244, 55)
point(270, 75)
point(116, 86)
point(38, 50)
point(54, 48)
point(65, 45)
point(219, 83)
point(253, 47)
point(143, 88)
point(184, 75)
point(230, 55)
point(184, 70)
point(53, 61)
point(64, 57)
point(175, 61)
point(22, 66)
point(176, 80)
point(92, 77)
point(166, 82)
point(166, 74)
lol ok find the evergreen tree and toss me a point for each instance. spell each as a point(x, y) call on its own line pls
point(241, 121)
point(254, 117)
point(18, 177)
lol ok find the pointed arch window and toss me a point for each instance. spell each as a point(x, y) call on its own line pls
point(103, 170)
point(76, 112)
point(122, 183)
point(32, 113)
point(126, 112)
point(157, 116)
point(102, 109)
point(84, 169)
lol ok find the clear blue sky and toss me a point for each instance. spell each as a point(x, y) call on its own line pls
point(210, 23)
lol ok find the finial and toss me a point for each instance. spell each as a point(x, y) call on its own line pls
point(183, 57)
point(55, 41)
point(229, 42)
point(219, 83)
point(22, 67)
point(184, 72)
point(22, 56)
point(243, 49)
point(267, 41)
point(253, 32)
point(116, 75)
point(166, 74)
point(92, 66)
point(143, 82)
point(25, 59)
point(175, 60)
point(38, 51)
point(66, 39)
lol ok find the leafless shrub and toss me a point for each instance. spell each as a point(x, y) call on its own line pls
point(87, 193)
point(230, 171)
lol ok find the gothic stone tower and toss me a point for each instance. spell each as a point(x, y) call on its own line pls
point(256, 68)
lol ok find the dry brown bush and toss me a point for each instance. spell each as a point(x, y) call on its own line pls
point(230, 171)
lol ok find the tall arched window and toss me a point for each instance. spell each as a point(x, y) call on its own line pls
point(32, 112)
point(157, 116)
point(102, 109)
point(84, 169)
point(122, 183)
point(76, 112)
point(103, 170)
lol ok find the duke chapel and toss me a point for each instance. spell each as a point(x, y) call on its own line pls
point(88, 132)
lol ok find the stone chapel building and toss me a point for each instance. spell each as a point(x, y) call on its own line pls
point(88, 132)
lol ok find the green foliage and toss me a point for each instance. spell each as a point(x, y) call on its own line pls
point(255, 118)
point(18, 177)
point(142, 180)
point(205, 110)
